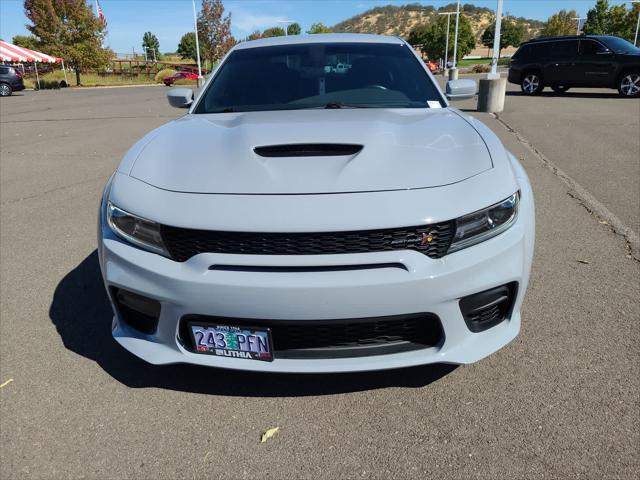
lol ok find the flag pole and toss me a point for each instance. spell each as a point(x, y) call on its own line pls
point(195, 25)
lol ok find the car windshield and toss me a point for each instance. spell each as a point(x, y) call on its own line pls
point(319, 75)
point(620, 45)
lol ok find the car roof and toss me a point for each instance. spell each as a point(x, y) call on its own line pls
point(319, 38)
point(566, 37)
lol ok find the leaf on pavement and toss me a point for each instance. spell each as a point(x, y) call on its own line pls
point(6, 383)
point(268, 434)
point(585, 262)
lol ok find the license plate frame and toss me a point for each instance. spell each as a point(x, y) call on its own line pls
point(202, 345)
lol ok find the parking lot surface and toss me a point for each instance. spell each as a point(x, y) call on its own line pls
point(593, 135)
point(562, 400)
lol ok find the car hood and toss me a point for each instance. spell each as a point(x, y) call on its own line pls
point(401, 149)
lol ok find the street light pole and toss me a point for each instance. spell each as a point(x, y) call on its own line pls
point(635, 39)
point(491, 93)
point(446, 47)
point(195, 25)
point(446, 44)
point(578, 20)
point(455, 40)
point(496, 43)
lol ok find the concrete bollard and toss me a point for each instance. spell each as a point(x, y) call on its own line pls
point(453, 73)
point(491, 94)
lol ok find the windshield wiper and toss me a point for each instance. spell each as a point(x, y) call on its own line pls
point(343, 105)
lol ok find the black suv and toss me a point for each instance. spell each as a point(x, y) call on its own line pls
point(577, 61)
point(10, 80)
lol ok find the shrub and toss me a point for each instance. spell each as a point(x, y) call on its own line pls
point(48, 84)
point(481, 69)
point(505, 61)
point(162, 74)
point(185, 81)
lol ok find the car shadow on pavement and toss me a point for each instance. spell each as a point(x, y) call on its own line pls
point(81, 312)
point(613, 94)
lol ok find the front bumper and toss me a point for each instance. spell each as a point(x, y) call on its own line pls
point(515, 75)
point(423, 285)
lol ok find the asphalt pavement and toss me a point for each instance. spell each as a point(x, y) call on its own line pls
point(593, 135)
point(562, 400)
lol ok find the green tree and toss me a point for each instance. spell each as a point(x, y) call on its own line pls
point(26, 41)
point(432, 38)
point(562, 23)
point(294, 29)
point(319, 27)
point(511, 34)
point(616, 20)
point(598, 19)
point(69, 29)
point(254, 36)
point(214, 29)
point(151, 45)
point(187, 46)
point(623, 22)
point(274, 32)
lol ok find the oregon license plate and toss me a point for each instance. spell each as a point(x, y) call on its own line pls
point(233, 342)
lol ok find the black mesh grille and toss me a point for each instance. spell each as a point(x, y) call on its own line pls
point(432, 240)
point(338, 338)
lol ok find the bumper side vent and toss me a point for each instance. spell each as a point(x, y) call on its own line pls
point(487, 309)
point(137, 311)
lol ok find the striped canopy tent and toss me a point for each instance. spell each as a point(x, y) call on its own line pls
point(13, 53)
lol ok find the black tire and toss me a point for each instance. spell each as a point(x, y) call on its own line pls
point(629, 84)
point(560, 89)
point(5, 90)
point(532, 83)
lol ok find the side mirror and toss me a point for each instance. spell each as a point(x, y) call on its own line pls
point(180, 97)
point(463, 89)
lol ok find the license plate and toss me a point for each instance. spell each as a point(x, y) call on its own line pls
point(233, 342)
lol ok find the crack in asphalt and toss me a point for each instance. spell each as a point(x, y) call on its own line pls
point(583, 197)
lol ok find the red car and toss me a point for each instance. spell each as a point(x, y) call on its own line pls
point(168, 81)
point(433, 66)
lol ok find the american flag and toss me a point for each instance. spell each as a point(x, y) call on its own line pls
point(100, 14)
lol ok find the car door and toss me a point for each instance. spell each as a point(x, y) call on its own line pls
point(560, 63)
point(595, 65)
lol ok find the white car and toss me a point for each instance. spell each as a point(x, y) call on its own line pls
point(301, 218)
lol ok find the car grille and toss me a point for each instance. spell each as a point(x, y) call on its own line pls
point(184, 243)
point(337, 338)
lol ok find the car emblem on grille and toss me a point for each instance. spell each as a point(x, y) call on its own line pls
point(427, 238)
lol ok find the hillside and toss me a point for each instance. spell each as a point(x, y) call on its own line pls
point(400, 20)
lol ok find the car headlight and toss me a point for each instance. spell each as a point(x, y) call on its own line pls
point(484, 224)
point(139, 231)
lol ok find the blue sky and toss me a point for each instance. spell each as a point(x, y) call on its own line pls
point(169, 19)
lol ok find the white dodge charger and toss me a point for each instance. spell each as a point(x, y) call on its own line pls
point(320, 208)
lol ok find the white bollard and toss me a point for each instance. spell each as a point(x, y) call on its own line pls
point(491, 94)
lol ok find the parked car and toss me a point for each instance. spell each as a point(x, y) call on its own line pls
point(168, 81)
point(433, 66)
point(561, 63)
point(10, 80)
point(304, 219)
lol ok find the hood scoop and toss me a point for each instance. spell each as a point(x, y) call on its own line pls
point(308, 150)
